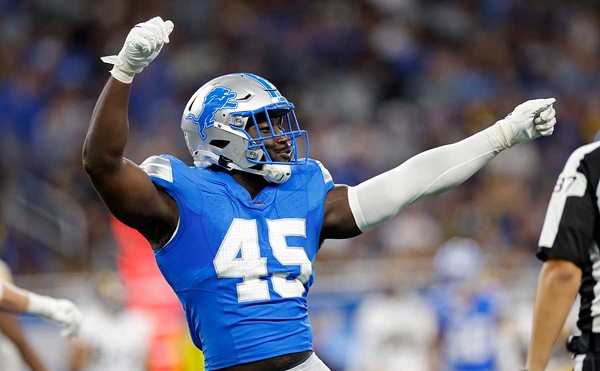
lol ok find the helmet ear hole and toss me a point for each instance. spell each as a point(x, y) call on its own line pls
point(219, 143)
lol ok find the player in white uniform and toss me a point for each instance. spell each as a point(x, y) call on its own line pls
point(395, 331)
point(14, 346)
point(112, 337)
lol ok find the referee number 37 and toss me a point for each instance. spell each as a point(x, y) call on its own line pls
point(239, 257)
point(564, 183)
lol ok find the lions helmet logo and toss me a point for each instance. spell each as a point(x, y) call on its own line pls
point(217, 99)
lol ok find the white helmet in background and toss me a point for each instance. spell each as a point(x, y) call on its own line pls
point(216, 117)
point(458, 259)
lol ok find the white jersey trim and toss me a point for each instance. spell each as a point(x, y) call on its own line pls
point(570, 183)
point(595, 258)
point(158, 167)
point(174, 232)
point(598, 194)
point(326, 174)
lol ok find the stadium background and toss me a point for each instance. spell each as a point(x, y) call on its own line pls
point(374, 82)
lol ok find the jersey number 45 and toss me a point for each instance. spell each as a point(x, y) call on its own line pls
point(239, 257)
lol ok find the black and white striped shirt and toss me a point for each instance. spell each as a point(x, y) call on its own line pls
point(572, 228)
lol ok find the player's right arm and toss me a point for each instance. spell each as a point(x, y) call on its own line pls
point(126, 189)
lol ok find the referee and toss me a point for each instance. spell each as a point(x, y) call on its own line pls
point(569, 248)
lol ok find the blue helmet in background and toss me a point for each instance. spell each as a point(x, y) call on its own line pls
point(458, 259)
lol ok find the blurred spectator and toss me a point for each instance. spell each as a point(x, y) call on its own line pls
point(470, 312)
point(395, 330)
point(420, 72)
point(112, 337)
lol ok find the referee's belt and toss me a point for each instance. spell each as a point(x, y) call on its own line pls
point(585, 343)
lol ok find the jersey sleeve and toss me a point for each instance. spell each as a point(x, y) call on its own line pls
point(568, 231)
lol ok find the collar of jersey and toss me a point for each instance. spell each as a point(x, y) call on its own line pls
point(262, 200)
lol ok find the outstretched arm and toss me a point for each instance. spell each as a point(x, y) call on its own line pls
point(60, 311)
point(432, 172)
point(557, 288)
point(127, 190)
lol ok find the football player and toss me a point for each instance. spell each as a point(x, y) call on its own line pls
point(236, 234)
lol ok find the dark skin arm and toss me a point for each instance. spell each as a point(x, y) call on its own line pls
point(10, 327)
point(124, 188)
point(338, 221)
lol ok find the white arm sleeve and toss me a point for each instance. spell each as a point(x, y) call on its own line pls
point(426, 174)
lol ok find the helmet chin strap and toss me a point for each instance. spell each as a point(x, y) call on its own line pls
point(279, 173)
point(272, 173)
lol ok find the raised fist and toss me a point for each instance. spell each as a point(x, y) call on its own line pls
point(529, 120)
point(142, 45)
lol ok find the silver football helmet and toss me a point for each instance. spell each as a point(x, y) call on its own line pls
point(216, 117)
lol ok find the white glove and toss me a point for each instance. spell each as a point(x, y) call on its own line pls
point(143, 43)
point(528, 121)
point(60, 311)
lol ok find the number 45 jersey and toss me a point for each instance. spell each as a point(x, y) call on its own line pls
point(242, 267)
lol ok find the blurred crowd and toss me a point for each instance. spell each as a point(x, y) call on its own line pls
point(374, 83)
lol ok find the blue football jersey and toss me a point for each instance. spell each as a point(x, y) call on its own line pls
point(242, 267)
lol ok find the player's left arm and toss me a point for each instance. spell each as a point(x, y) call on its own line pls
point(557, 288)
point(351, 210)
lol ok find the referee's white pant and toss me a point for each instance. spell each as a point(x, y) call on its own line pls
point(312, 363)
